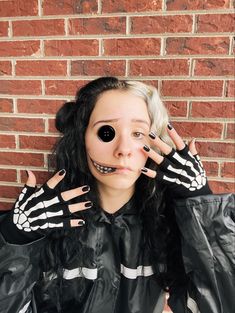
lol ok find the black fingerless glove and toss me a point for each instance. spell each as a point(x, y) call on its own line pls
point(183, 174)
point(35, 213)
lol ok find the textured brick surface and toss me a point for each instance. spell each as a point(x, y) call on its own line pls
point(185, 48)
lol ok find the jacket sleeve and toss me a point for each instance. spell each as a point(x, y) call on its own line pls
point(19, 271)
point(207, 227)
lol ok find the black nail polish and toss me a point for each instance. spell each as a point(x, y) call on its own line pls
point(144, 170)
point(152, 135)
point(85, 188)
point(88, 204)
point(170, 127)
point(81, 223)
point(27, 173)
point(146, 148)
point(62, 172)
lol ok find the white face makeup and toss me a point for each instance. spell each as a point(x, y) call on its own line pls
point(118, 128)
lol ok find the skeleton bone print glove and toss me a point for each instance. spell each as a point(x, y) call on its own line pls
point(180, 170)
point(39, 211)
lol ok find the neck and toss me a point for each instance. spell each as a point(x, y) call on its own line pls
point(112, 200)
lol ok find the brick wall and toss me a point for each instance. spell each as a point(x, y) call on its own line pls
point(50, 48)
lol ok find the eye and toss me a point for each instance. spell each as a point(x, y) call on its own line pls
point(106, 133)
point(138, 135)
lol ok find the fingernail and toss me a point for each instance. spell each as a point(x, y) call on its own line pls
point(170, 127)
point(27, 173)
point(62, 172)
point(88, 204)
point(81, 223)
point(152, 135)
point(86, 188)
point(146, 148)
point(144, 170)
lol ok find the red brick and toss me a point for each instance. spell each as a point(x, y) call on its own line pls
point(214, 67)
point(228, 169)
point(3, 27)
point(57, 7)
point(196, 4)
point(218, 109)
point(6, 206)
point(176, 108)
point(37, 142)
point(41, 176)
point(216, 149)
point(41, 68)
point(199, 129)
point(8, 175)
point(10, 191)
point(161, 24)
point(230, 133)
point(215, 23)
point(97, 25)
point(63, 87)
point(39, 106)
point(21, 124)
point(38, 27)
point(211, 168)
point(197, 45)
point(21, 87)
point(190, 88)
point(159, 67)
point(20, 48)
point(5, 68)
point(71, 47)
point(230, 88)
point(51, 126)
point(18, 8)
point(6, 105)
point(222, 187)
point(131, 6)
point(132, 46)
point(98, 67)
point(7, 141)
point(22, 159)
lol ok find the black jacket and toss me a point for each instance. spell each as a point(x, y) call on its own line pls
point(119, 277)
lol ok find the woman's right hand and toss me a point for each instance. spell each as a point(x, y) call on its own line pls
point(41, 210)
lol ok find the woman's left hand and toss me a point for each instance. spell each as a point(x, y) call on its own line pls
point(181, 170)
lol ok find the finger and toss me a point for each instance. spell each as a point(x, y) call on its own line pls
point(192, 147)
point(178, 141)
point(76, 207)
point(148, 172)
point(77, 223)
point(53, 181)
point(31, 181)
point(161, 145)
point(156, 157)
point(73, 193)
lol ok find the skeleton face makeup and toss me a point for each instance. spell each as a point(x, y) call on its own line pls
point(118, 128)
point(106, 133)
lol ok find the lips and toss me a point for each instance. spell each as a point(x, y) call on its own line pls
point(103, 169)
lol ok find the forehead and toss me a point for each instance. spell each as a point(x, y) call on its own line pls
point(120, 104)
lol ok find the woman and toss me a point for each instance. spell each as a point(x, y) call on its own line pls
point(101, 234)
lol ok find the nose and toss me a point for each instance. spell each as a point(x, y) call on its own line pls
point(123, 147)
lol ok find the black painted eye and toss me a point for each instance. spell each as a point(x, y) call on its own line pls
point(106, 133)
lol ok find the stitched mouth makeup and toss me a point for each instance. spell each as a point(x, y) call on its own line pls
point(103, 169)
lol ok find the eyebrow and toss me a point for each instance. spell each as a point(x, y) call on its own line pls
point(116, 119)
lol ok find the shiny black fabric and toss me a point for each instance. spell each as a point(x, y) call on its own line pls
point(119, 277)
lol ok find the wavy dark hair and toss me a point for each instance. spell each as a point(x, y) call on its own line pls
point(71, 121)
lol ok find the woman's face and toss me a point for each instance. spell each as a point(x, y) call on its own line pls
point(118, 128)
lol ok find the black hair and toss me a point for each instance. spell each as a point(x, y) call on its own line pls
point(71, 121)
